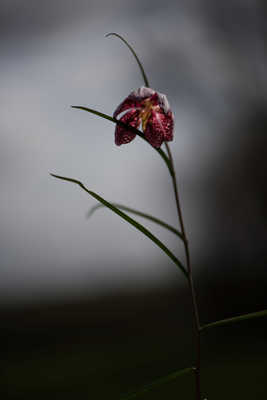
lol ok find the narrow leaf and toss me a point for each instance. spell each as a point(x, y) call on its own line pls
point(134, 54)
point(158, 382)
point(138, 226)
point(100, 114)
point(141, 214)
point(227, 321)
point(129, 127)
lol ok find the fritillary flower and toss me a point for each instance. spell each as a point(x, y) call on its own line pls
point(151, 109)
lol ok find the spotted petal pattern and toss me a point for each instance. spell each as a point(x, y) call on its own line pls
point(123, 135)
point(150, 108)
point(159, 128)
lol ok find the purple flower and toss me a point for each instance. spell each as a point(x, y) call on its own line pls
point(150, 108)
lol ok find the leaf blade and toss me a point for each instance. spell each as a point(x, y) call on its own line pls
point(138, 226)
point(141, 214)
point(129, 127)
point(98, 113)
point(134, 54)
point(160, 381)
point(227, 321)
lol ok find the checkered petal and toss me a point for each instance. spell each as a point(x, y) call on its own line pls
point(152, 109)
point(159, 128)
point(123, 135)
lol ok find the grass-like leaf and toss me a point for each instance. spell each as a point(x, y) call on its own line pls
point(141, 214)
point(243, 317)
point(102, 115)
point(130, 128)
point(134, 54)
point(131, 221)
point(157, 382)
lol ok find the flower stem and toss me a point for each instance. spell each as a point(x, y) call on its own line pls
point(190, 277)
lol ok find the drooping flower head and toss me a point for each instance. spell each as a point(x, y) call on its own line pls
point(151, 109)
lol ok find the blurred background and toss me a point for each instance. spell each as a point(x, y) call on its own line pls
point(91, 308)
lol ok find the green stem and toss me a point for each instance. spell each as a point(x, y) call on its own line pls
point(169, 162)
point(190, 277)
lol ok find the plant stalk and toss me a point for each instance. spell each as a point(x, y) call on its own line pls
point(190, 277)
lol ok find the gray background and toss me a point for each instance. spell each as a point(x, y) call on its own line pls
point(209, 59)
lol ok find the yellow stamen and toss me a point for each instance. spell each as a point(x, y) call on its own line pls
point(145, 114)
